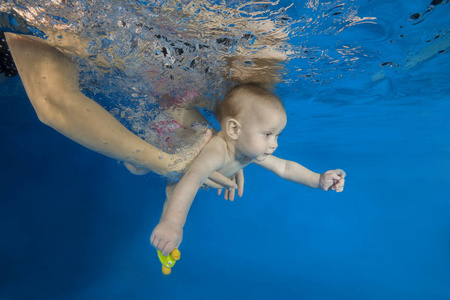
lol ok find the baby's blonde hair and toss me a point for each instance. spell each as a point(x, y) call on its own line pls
point(245, 94)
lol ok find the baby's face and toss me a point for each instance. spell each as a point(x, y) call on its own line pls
point(261, 126)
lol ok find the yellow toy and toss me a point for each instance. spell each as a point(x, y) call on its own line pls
point(169, 261)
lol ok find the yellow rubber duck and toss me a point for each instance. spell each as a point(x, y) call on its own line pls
point(169, 261)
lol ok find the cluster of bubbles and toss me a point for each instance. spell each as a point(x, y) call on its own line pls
point(139, 57)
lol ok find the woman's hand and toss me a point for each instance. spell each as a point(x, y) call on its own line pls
point(215, 180)
point(231, 191)
point(179, 161)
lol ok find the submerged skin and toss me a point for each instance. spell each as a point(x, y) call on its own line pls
point(51, 82)
point(250, 138)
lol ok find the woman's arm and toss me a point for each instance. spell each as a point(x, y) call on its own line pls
point(51, 83)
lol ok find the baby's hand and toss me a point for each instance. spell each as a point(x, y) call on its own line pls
point(167, 236)
point(332, 180)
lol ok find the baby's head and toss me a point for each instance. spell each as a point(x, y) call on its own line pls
point(242, 101)
point(253, 118)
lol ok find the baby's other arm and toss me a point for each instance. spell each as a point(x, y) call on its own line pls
point(292, 171)
point(168, 234)
point(208, 161)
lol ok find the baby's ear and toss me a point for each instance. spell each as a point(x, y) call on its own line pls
point(233, 128)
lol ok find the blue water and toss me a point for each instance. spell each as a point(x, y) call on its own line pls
point(75, 224)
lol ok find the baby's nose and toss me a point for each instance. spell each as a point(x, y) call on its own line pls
point(273, 145)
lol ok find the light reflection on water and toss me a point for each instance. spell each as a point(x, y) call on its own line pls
point(340, 53)
point(153, 48)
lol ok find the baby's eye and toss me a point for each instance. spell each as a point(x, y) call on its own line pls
point(267, 134)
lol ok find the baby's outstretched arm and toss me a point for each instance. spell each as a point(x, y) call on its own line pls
point(168, 234)
point(292, 171)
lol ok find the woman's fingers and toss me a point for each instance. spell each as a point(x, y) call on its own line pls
point(240, 182)
point(231, 194)
point(222, 180)
point(219, 182)
point(213, 184)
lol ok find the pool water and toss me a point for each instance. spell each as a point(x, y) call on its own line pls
point(376, 103)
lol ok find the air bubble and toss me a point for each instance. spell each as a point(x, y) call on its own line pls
point(114, 111)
